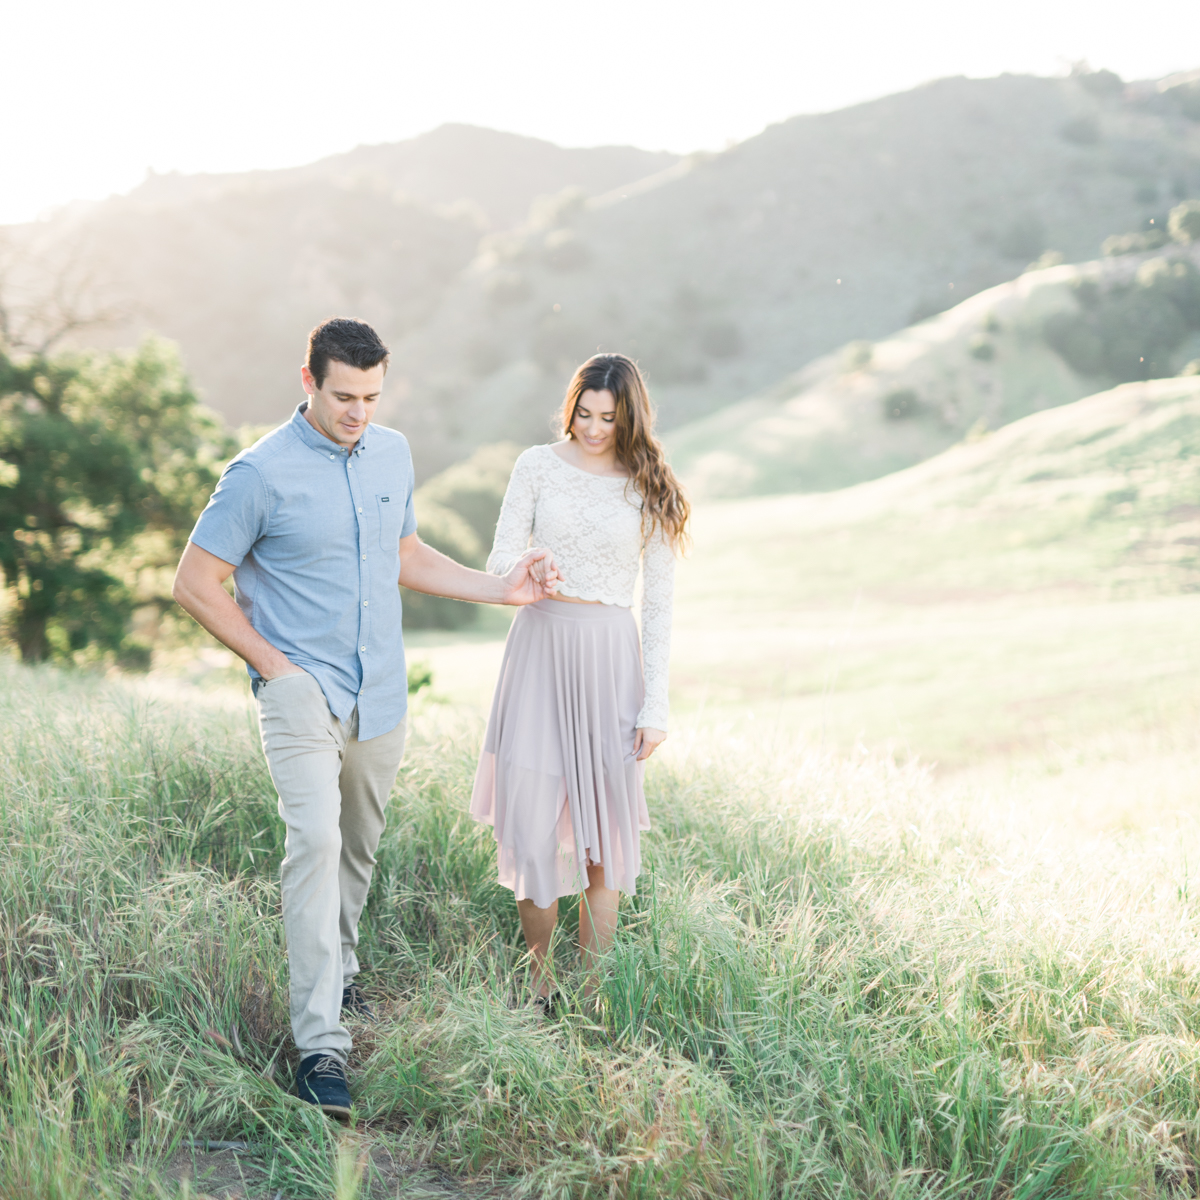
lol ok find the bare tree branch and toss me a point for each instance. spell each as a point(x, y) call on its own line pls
point(49, 289)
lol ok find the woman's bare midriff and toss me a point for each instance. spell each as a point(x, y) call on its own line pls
point(577, 600)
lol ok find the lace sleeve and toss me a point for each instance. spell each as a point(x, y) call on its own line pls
point(515, 526)
point(658, 593)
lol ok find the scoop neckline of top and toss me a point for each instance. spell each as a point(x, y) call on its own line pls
point(619, 478)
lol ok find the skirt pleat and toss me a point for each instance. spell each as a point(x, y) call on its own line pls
point(557, 779)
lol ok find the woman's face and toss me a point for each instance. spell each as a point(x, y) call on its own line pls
point(595, 423)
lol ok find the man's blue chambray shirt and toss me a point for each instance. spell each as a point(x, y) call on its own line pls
point(313, 532)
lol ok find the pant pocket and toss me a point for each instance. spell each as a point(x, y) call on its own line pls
point(292, 706)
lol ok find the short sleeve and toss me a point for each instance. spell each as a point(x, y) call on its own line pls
point(410, 511)
point(237, 514)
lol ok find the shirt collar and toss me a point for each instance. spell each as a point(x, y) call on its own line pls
point(315, 440)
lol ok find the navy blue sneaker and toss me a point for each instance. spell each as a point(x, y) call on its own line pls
point(321, 1080)
point(355, 1003)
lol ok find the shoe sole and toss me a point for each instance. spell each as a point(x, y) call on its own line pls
point(337, 1111)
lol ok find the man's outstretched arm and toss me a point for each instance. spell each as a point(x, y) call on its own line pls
point(199, 592)
point(424, 569)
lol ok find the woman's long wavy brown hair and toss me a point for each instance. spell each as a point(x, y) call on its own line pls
point(664, 504)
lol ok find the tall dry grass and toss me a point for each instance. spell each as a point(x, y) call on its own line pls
point(839, 979)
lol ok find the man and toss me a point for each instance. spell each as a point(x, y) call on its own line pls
point(315, 522)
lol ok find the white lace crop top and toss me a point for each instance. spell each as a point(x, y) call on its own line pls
point(592, 524)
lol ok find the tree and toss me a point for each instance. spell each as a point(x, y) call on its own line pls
point(104, 462)
point(50, 291)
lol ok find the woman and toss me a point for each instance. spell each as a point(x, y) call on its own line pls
point(574, 719)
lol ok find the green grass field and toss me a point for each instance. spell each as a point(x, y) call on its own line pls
point(916, 918)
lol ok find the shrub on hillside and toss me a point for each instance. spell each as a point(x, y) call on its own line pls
point(562, 208)
point(1134, 243)
point(982, 348)
point(1178, 282)
point(900, 404)
point(1184, 222)
point(1047, 258)
point(1182, 225)
point(1187, 98)
point(1102, 83)
point(857, 355)
point(1129, 332)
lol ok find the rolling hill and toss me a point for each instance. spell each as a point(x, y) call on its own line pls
point(238, 268)
point(496, 175)
point(726, 272)
point(722, 272)
point(870, 409)
point(1101, 495)
point(1013, 594)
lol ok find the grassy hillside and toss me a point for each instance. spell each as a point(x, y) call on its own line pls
point(873, 408)
point(727, 271)
point(1032, 587)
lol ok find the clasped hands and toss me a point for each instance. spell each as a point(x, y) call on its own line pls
point(535, 577)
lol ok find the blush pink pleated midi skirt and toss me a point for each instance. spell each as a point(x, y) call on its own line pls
point(557, 779)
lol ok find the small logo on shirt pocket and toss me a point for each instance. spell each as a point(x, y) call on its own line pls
point(389, 524)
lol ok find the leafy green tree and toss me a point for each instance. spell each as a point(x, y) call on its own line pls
point(104, 462)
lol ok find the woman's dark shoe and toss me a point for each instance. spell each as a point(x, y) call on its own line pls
point(549, 1005)
point(321, 1080)
point(355, 1003)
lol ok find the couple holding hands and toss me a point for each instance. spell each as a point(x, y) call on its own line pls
point(315, 522)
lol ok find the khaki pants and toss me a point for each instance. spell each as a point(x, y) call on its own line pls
point(333, 790)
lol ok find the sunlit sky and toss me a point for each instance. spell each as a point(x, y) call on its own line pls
point(95, 94)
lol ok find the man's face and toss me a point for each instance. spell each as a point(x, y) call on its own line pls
point(342, 407)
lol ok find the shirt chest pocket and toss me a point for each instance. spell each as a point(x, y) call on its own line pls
point(390, 511)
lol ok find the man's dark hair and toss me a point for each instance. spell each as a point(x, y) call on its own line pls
point(342, 339)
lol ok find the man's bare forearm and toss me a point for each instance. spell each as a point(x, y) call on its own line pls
point(212, 607)
point(427, 570)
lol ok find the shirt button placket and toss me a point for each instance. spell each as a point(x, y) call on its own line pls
point(364, 633)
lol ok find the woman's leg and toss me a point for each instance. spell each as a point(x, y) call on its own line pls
point(597, 922)
point(537, 924)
